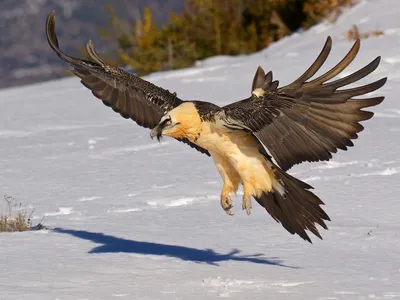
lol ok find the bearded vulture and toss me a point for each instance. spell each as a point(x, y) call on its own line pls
point(307, 120)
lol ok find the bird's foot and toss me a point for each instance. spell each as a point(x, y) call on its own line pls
point(226, 203)
point(246, 204)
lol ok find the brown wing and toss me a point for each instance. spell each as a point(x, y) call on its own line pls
point(306, 120)
point(127, 94)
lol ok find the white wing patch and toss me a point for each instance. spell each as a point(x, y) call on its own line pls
point(258, 92)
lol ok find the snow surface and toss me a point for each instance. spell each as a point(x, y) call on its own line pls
point(131, 218)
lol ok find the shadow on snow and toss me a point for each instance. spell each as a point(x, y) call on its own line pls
point(112, 244)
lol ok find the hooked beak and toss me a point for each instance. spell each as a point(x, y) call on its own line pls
point(156, 131)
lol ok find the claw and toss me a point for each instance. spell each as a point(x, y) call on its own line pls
point(226, 204)
point(228, 212)
point(246, 205)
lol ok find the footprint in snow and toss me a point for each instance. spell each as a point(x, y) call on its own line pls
point(171, 203)
point(84, 199)
point(204, 79)
point(385, 172)
point(336, 164)
point(60, 211)
point(184, 201)
point(212, 182)
point(94, 141)
point(161, 187)
point(291, 284)
point(91, 143)
point(292, 54)
point(226, 287)
point(112, 152)
point(392, 60)
point(346, 293)
point(389, 113)
point(125, 210)
point(14, 133)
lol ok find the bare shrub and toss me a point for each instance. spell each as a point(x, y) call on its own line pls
point(353, 33)
point(14, 216)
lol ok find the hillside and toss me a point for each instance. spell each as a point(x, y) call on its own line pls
point(24, 54)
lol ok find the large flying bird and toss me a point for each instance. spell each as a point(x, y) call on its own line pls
point(307, 120)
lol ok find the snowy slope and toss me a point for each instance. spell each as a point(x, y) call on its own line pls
point(131, 218)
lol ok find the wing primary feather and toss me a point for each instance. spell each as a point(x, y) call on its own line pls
point(316, 65)
point(362, 89)
point(268, 77)
point(355, 76)
point(339, 67)
point(258, 79)
point(93, 54)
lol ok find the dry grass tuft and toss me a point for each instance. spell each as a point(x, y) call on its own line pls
point(15, 217)
point(353, 33)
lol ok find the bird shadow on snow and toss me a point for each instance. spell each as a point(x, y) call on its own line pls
point(112, 244)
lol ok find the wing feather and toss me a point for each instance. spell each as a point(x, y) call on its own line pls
point(129, 95)
point(307, 120)
point(316, 65)
point(125, 93)
point(336, 70)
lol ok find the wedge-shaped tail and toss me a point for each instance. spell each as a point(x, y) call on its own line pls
point(294, 206)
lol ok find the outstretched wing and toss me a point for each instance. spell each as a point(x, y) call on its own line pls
point(127, 94)
point(306, 120)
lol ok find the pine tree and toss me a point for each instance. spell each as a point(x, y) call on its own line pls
point(209, 27)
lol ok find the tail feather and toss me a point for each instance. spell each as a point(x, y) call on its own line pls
point(297, 208)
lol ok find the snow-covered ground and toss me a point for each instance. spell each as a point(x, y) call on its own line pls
point(130, 218)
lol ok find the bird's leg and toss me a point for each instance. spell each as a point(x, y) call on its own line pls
point(231, 184)
point(231, 180)
point(226, 200)
point(246, 202)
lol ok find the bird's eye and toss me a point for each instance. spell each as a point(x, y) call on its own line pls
point(168, 123)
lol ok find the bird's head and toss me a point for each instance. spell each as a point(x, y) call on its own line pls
point(181, 122)
point(167, 126)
